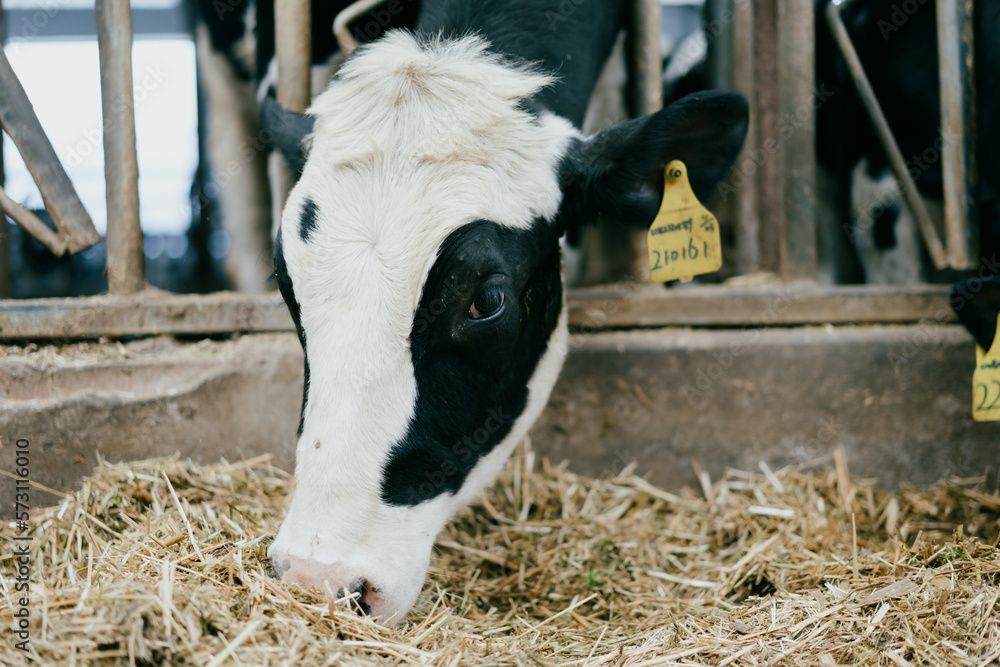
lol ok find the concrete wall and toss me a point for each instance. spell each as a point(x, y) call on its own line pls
point(897, 398)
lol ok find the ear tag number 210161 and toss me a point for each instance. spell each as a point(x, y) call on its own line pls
point(683, 240)
point(986, 382)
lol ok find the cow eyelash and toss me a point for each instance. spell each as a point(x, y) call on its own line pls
point(489, 303)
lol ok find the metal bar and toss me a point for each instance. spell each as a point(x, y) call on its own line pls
point(747, 309)
point(342, 24)
point(797, 105)
point(718, 29)
point(748, 222)
point(592, 309)
point(643, 96)
point(867, 95)
point(958, 124)
point(31, 224)
point(767, 97)
point(645, 62)
point(6, 280)
point(293, 48)
point(61, 200)
point(729, 32)
point(126, 268)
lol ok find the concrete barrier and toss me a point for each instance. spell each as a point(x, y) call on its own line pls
point(897, 398)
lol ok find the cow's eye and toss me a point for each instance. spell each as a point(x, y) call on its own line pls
point(487, 303)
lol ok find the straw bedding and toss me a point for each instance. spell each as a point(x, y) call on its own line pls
point(164, 562)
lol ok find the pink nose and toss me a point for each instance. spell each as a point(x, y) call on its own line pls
point(327, 578)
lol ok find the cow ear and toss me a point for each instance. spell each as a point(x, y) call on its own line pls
point(286, 130)
point(618, 172)
point(976, 301)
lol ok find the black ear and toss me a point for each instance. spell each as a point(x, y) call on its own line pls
point(977, 303)
point(286, 130)
point(619, 171)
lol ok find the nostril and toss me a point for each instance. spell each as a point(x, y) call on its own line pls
point(278, 567)
point(359, 596)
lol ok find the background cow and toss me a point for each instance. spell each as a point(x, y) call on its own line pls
point(900, 54)
point(866, 231)
point(235, 44)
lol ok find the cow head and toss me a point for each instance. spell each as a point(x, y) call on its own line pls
point(419, 255)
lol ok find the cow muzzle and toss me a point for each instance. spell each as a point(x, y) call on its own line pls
point(354, 590)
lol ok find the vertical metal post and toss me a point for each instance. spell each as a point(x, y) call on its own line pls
point(6, 283)
point(958, 128)
point(6, 286)
point(747, 205)
point(767, 107)
point(126, 270)
point(730, 34)
point(293, 48)
point(645, 90)
point(643, 96)
point(718, 29)
point(797, 129)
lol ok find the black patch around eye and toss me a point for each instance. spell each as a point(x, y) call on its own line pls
point(288, 294)
point(472, 378)
point(307, 221)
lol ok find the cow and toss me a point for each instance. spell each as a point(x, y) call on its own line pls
point(420, 256)
point(897, 43)
point(866, 231)
point(869, 235)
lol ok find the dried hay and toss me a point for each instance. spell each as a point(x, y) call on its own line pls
point(783, 567)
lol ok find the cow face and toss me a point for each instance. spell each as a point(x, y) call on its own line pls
point(419, 255)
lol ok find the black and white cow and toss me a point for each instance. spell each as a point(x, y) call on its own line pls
point(866, 232)
point(420, 257)
point(897, 43)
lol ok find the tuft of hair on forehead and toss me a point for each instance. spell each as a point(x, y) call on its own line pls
point(449, 93)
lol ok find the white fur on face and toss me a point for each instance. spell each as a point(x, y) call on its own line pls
point(411, 142)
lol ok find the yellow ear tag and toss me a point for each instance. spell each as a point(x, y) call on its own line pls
point(683, 240)
point(986, 382)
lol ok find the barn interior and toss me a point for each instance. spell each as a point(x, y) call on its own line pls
point(817, 333)
point(828, 340)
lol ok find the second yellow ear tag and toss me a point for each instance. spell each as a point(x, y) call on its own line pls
point(684, 239)
point(986, 382)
